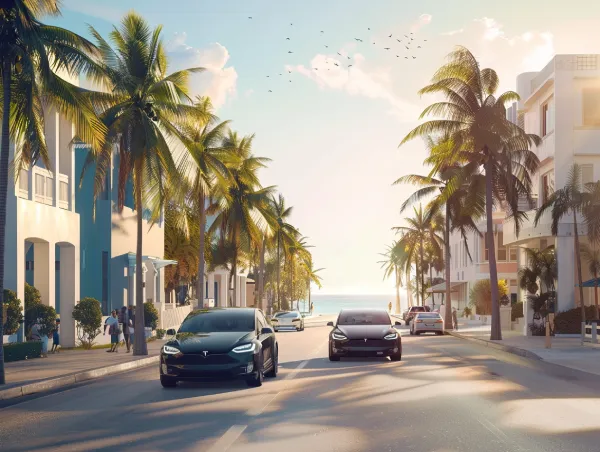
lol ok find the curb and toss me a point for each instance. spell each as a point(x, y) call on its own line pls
point(505, 348)
point(72, 379)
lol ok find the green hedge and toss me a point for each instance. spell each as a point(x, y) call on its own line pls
point(569, 322)
point(22, 350)
point(517, 311)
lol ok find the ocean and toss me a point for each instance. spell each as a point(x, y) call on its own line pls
point(332, 304)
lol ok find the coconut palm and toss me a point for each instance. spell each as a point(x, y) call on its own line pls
point(284, 232)
point(311, 276)
point(394, 264)
point(139, 108)
point(31, 56)
point(204, 164)
point(592, 257)
point(298, 249)
point(569, 200)
point(484, 140)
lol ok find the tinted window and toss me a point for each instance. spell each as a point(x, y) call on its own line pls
point(208, 321)
point(418, 309)
point(364, 318)
point(279, 314)
point(288, 315)
point(428, 316)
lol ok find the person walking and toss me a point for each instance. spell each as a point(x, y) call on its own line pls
point(56, 338)
point(112, 324)
point(390, 307)
point(124, 319)
point(454, 319)
point(131, 315)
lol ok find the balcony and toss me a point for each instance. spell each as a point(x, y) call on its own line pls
point(543, 229)
point(41, 183)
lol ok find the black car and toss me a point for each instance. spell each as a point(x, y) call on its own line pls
point(220, 343)
point(364, 332)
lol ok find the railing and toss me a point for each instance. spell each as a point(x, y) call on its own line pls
point(42, 184)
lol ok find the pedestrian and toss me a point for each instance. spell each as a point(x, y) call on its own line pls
point(390, 307)
point(454, 319)
point(56, 337)
point(131, 314)
point(112, 323)
point(124, 318)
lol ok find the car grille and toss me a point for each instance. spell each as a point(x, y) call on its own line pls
point(199, 359)
point(369, 343)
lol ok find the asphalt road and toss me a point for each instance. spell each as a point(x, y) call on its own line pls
point(446, 395)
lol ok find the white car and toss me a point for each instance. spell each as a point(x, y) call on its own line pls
point(427, 322)
point(288, 319)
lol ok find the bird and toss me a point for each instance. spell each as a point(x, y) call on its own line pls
point(373, 43)
point(289, 72)
point(287, 39)
point(386, 48)
point(359, 40)
point(397, 56)
point(407, 48)
point(406, 36)
point(390, 36)
point(424, 40)
point(406, 58)
point(414, 57)
point(249, 17)
point(326, 47)
point(369, 29)
point(268, 76)
point(339, 54)
point(411, 33)
point(399, 40)
point(270, 91)
point(349, 65)
point(291, 24)
point(280, 74)
point(316, 69)
point(290, 51)
point(322, 31)
point(348, 57)
point(336, 64)
point(418, 47)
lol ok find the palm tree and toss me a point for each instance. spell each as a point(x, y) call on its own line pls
point(592, 256)
point(206, 159)
point(31, 54)
point(395, 263)
point(242, 203)
point(424, 228)
point(484, 140)
point(569, 200)
point(298, 249)
point(311, 276)
point(284, 232)
point(139, 109)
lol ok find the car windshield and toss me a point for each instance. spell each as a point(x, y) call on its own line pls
point(428, 316)
point(207, 321)
point(288, 315)
point(280, 314)
point(418, 309)
point(364, 318)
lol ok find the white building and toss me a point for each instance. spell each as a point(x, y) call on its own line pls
point(561, 104)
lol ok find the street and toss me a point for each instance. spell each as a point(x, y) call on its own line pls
point(446, 395)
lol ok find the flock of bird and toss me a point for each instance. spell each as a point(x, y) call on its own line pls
point(394, 44)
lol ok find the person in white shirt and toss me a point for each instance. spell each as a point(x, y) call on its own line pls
point(112, 324)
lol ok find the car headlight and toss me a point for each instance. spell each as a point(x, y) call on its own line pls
point(246, 348)
point(391, 336)
point(338, 336)
point(168, 350)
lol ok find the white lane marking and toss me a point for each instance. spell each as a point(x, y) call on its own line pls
point(256, 411)
point(228, 438)
point(293, 374)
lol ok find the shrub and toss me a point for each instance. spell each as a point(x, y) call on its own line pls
point(481, 295)
point(160, 333)
point(32, 299)
point(45, 317)
point(467, 312)
point(19, 351)
point(537, 329)
point(150, 315)
point(517, 311)
point(88, 315)
point(14, 317)
point(569, 322)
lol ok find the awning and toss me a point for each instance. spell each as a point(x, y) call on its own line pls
point(156, 261)
point(441, 288)
point(591, 283)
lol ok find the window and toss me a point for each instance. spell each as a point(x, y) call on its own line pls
point(501, 247)
point(548, 117)
point(587, 62)
point(587, 174)
point(465, 255)
point(355, 317)
point(40, 182)
point(591, 106)
point(513, 254)
point(29, 265)
point(24, 180)
point(105, 282)
point(209, 321)
point(64, 192)
point(476, 239)
point(57, 265)
point(547, 186)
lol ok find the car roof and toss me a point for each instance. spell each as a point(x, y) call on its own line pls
point(232, 309)
point(428, 313)
point(362, 310)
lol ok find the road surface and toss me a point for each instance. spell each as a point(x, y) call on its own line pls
point(446, 395)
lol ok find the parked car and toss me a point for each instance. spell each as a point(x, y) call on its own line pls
point(427, 322)
point(288, 319)
point(364, 332)
point(220, 343)
point(404, 314)
point(413, 311)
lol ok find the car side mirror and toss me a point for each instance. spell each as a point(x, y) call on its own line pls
point(330, 324)
point(171, 332)
point(266, 330)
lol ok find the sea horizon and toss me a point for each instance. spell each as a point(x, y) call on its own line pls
point(332, 304)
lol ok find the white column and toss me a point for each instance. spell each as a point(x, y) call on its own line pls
point(237, 301)
point(69, 293)
point(565, 256)
point(243, 291)
point(210, 293)
point(54, 146)
point(527, 311)
point(44, 271)
point(223, 290)
point(131, 286)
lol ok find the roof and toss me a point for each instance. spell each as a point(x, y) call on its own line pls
point(441, 288)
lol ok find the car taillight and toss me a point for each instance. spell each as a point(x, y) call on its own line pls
point(439, 321)
point(419, 321)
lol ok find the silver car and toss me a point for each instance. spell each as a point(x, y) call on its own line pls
point(288, 320)
point(427, 322)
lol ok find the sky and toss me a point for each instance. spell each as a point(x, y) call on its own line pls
point(333, 135)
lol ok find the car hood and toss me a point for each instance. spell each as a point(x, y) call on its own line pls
point(365, 331)
point(212, 342)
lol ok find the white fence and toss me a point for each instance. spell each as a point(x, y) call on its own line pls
point(171, 316)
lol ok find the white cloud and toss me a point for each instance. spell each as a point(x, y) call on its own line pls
point(423, 20)
point(217, 81)
point(453, 32)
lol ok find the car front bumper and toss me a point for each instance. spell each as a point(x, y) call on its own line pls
point(217, 366)
point(359, 347)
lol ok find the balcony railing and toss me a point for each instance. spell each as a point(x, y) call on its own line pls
point(42, 184)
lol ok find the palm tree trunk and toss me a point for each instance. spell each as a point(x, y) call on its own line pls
point(235, 279)
point(578, 258)
point(6, 77)
point(447, 261)
point(431, 284)
point(496, 330)
point(261, 271)
point(596, 314)
point(140, 347)
point(422, 275)
point(200, 281)
point(291, 283)
point(398, 308)
point(278, 303)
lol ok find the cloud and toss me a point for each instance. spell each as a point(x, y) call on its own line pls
point(423, 20)
point(359, 80)
point(453, 32)
point(217, 81)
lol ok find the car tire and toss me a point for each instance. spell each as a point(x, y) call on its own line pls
point(412, 332)
point(418, 333)
point(333, 356)
point(275, 329)
point(275, 369)
point(168, 382)
point(256, 380)
point(396, 357)
point(439, 333)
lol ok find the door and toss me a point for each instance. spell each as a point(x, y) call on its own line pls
point(266, 340)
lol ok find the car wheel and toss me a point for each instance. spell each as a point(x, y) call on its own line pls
point(333, 356)
point(302, 327)
point(168, 382)
point(396, 357)
point(418, 333)
point(256, 380)
point(412, 333)
point(275, 329)
point(439, 333)
point(275, 369)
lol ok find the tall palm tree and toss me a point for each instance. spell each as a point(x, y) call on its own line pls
point(284, 232)
point(475, 119)
point(205, 163)
point(569, 200)
point(242, 203)
point(31, 54)
point(139, 108)
point(394, 264)
point(424, 228)
point(592, 257)
point(297, 250)
point(312, 276)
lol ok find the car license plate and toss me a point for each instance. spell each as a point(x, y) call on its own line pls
point(380, 353)
point(429, 324)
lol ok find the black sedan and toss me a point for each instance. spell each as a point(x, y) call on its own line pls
point(364, 332)
point(220, 343)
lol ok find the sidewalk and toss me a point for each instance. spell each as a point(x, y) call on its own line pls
point(69, 367)
point(567, 352)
